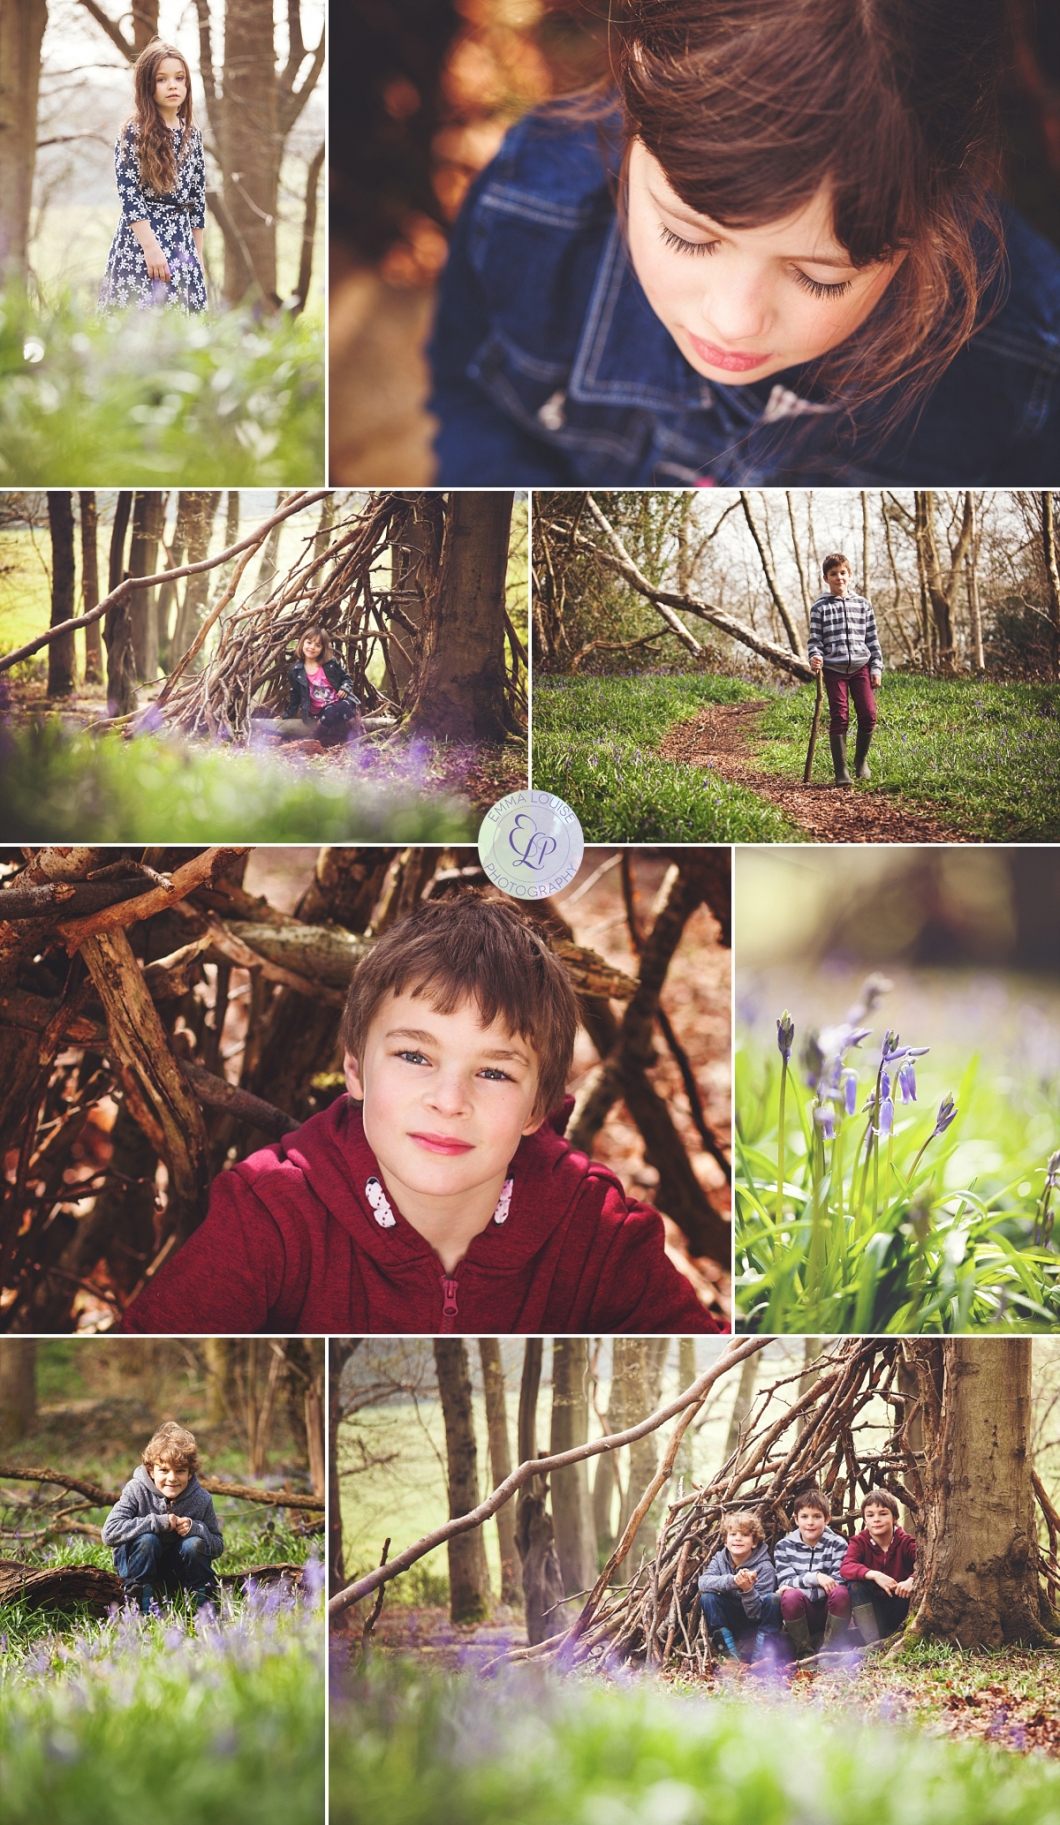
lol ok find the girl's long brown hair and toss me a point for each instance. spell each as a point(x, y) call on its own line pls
point(751, 105)
point(154, 142)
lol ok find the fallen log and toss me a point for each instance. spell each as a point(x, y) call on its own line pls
point(106, 1498)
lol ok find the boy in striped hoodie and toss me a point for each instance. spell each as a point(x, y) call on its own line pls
point(813, 1600)
point(845, 644)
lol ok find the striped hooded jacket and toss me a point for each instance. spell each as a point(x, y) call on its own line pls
point(843, 633)
point(798, 1565)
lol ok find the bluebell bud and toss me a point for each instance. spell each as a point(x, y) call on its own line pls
point(907, 1081)
point(946, 1114)
point(785, 1035)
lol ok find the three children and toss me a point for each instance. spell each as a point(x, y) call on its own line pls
point(816, 1581)
point(163, 1528)
point(439, 1195)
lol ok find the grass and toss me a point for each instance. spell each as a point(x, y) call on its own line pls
point(984, 755)
point(529, 1749)
point(939, 1225)
point(227, 400)
point(595, 742)
point(219, 1718)
point(105, 790)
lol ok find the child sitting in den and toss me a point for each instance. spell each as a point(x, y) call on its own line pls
point(163, 1528)
point(736, 1592)
point(878, 1567)
point(440, 1194)
point(814, 1602)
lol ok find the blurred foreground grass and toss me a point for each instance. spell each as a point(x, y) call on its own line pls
point(55, 786)
point(223, 400)
point(417, 1749)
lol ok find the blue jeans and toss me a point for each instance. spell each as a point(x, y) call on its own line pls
point(722, 1610)
point(163, 1562)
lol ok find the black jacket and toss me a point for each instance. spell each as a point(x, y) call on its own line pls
point(339, 680)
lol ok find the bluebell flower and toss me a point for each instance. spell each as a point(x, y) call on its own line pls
point(907, 1081)
point(850, 1091)
point(946, 1114)
point(785, 1035)
point(886, 1116)
point(885, 1085)
point(825, 1120)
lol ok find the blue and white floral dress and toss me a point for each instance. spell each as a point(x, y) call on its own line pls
point(172, 218)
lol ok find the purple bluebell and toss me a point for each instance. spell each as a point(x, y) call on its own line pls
point(892, 1051)
point(885, 1085)
point(825, 1120)
point(1052, 1171)
point(886, 1116)
point(946, 1114)
point(850, 1091)
point(907, 1081)
point(785, 1035)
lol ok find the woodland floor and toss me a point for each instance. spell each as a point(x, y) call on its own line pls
point(721, 736)
point(481, 772)
point(1008, 1698)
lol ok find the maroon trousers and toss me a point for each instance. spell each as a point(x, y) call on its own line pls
point(815, 1610)
point(860, 689)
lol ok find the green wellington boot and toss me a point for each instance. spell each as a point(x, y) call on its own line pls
point(797, 1628)
point(838, 745)
point(861, 750)
point(834, 1629)
point(865, 1619)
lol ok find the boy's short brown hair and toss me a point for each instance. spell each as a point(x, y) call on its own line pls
point(879, 1498)
point(833, 561)
point(484, 949)
point(813, 1498)
point(172, 1444)
point(744, 1521)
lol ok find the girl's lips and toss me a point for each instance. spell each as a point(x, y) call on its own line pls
point(728, 359)
point(442, 1143)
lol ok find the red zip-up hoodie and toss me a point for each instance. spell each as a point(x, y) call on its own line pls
point(863, 1555)
point(301, 1238)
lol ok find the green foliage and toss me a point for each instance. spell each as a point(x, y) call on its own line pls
point(219, 1721)
point(874, 1233)
point(986, 756)
point(106, 790)
point(410, 1749)
point(594, 745)
point(226, 400)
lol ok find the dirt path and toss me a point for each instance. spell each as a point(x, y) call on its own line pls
point(721, 736)
point(430, 1637)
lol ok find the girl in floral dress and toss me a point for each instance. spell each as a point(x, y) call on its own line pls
point(156, 255)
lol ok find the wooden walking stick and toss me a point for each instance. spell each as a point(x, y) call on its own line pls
point(808, 769)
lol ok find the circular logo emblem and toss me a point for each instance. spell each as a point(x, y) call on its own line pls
point(530, 844)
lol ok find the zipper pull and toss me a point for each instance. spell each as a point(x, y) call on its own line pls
point(449, 1307)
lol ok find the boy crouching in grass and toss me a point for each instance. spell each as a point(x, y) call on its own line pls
point(737, 1589)
point(439, 1195)
point(878, 1567)
point(163, 1528)
point(814, 1603)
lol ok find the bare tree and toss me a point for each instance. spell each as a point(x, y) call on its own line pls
point(469, 1588)
point(572, 1512)
point(534, 1537)
point(22, 24)
point(18, 1387)
point(90, 586)
point(500, 1462)
point(1052, 572)
point(460, 692)
point(200, 510)
point(61, 651)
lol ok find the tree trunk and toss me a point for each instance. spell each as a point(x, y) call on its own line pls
point(61, 651)
point(217, 1352)
point(638, 1365)
point(90, 586)
point(489, 1350)
point(200, 511)
point(460, 692)
point(572, 1513)
point(148, 520)
point(415, 561)
point(745, 1394)
point(469, 1588)
point(1052, 575)
point(340, 1349)
point(18, 1388)
point(977, 1582)
point(22, 25)
point(314, 1414)
point(534, 1539)
point(251, 148)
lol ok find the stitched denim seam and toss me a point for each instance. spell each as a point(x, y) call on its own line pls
point(605, 443)
point(585, 386)
point(524, 206)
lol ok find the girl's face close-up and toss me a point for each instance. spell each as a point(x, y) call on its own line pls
point(743, 303)
point(312, 650)
point(171, 84)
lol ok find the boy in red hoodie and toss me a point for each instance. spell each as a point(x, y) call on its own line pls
point(440, 1195)
point(878, 1568)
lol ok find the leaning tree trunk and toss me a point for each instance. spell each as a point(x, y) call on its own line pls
point(489, 1349)
point(977, 1577)
point(572, 1510)
point(469, 1586)
point(117, 626)
point(61, 651)
point(22, 25)
point(460, 692)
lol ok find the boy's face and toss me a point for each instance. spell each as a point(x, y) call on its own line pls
point(743, 303)
point(810, 1523)
point(838, 580)
point(446, 1099)
point(170, 1479)
point(879, 1521)
point(741, 1545)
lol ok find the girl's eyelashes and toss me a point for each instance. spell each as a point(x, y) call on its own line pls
point(682, 246)
point(816, 289)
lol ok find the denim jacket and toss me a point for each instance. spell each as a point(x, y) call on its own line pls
point(551, 368)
